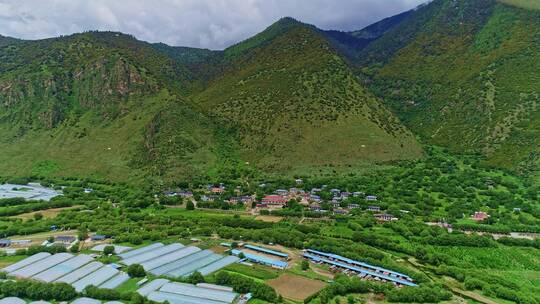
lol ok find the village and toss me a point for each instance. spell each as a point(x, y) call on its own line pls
point(317, 201)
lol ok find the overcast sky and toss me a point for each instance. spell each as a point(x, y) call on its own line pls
point(213, 24)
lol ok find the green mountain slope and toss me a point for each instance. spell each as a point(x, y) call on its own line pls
point(7, 40)
point(106, 105)
point(78, 105)
point(294, 104)
point(464, 74)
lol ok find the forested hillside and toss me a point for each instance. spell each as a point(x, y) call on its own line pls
point(106, 105)
point(464, 74)
point(292, 101)
point(77, 105)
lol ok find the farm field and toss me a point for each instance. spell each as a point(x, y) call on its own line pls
point(43, 235)
point(48, 213)
point(296, 287)
point(269, 218)
point(10, 259)
point(255, 271)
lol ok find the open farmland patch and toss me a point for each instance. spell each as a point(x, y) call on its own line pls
point(48, 213)
point(503, 257)
point(269, 218)
point(295, 287)
point(10, 259)
point(256, 271)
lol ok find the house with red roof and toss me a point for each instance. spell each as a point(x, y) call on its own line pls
point(479, 216)
point(274, 200)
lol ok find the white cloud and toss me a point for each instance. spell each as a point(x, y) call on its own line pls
point(199, 23)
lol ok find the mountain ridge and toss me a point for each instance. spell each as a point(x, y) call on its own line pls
point(164, 116)
point(461, 75)
point(293, 99)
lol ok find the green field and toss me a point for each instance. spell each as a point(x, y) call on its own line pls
point(255, 271)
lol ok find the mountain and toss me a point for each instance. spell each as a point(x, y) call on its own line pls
point(464, 74)
point(286, 102)
point(292, 102)
point(7, 40)
point(203, 64)
point(351, 43)
point(105, 105)
point(76, 105)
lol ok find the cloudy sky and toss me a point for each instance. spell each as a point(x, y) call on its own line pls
point(213, 24)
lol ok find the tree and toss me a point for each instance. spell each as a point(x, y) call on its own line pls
point(50, 239)
point(82, 234)
point(135, 239)
point(74, 248)
point(196, 278)
point(136, 271)
point(38, 216)
point(108, 250)
point(350, 299)
point(190, 206)
point(304, 265)
point(137, 298)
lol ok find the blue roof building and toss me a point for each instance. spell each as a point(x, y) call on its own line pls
point(360, 271)
point(267, 251)
point(98, 237)
point(357, 263)
point(261, 259)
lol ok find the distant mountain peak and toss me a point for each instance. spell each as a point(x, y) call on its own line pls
point(274, 30)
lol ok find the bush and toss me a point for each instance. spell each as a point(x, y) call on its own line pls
point(101, 293)
point(135, 239)
point(37, 290)
point(304, 265)
point(428, 293)
point(108, 250)
point(243, 284)
point(196, 278)
point(472, 284)
point(74, 248)
point(136, 271)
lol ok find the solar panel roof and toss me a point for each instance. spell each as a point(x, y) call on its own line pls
point(80, 273)
point(217, 265)
point(187, 269)
point(63, 268)
point(41, 265)
point(199, 292)
point(182, 262)
point(12, 300)
point(173, 298)
point(29, 260)
point(115, 281)
point(86, 301)
point(170, 257)
point(141, 250)
point(95, 278)
point(152, 286)
point(152, 254)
